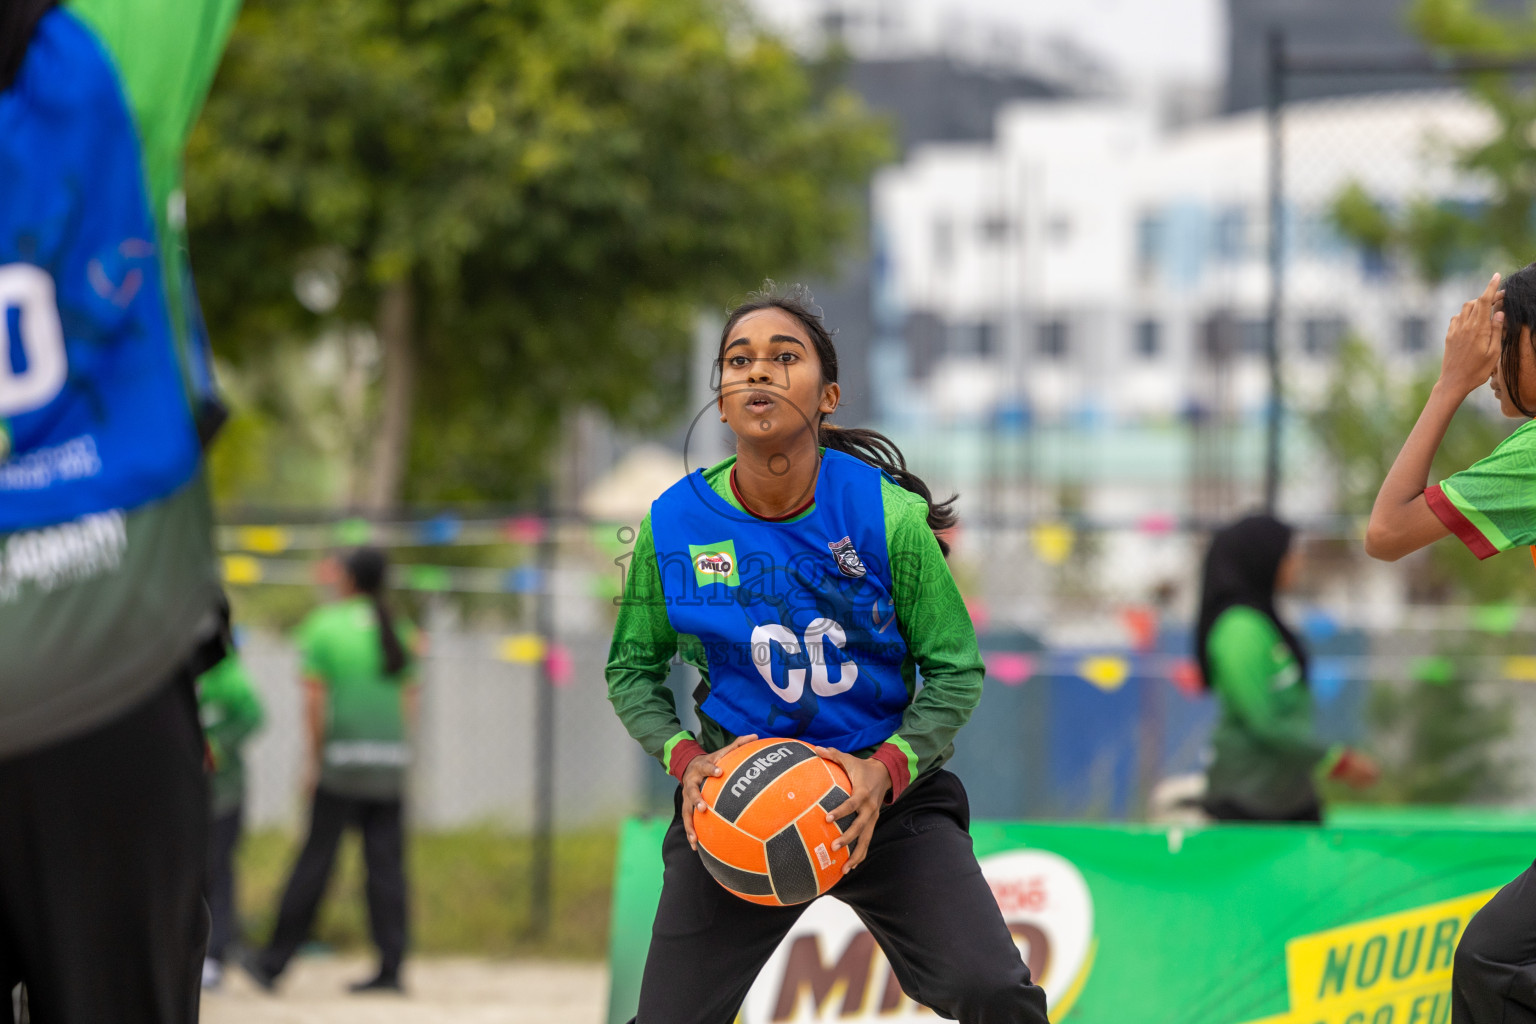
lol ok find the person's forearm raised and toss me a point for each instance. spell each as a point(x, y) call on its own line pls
point(1401, 519)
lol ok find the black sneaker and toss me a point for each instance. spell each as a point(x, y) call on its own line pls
point(378, 983)
point(265, 979)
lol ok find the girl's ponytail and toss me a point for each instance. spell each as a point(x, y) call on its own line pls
point(367, 566)
point(879, 451)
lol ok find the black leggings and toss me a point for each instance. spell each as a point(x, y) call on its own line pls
point(223, 837)
point(383, 856)
point(1493, 980)
point(102, 847)
point(920, 892)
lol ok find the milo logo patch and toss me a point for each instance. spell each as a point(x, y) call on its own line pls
point(715, 563)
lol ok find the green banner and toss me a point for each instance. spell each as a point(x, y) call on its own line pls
point(1350, 924)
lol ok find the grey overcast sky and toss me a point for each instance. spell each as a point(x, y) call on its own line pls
point(1162, 39)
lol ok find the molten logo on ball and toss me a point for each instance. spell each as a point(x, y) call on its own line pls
point(759, 765)
point(766, 837)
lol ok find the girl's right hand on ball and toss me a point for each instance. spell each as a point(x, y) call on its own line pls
point(699, 769)
point(1473, 341)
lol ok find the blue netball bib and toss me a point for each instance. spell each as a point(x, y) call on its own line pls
point(94, 414)
point(797, 619)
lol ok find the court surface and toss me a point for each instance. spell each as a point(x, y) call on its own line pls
point(463, 991)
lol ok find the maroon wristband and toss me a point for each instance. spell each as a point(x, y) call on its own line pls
point(895, 763)
point(682, 755)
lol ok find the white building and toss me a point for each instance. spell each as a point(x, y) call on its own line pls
point(1086, 267)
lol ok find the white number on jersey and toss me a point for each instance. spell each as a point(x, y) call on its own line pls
point(29, 290)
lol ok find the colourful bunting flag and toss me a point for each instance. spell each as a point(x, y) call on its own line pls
point(523, 530)
point(354, 533)
point(1185, 676)
point(428, 577)
point(1011, 668)
point(1105, 671)
point(522, 649)
point(266, 540)
point(560, 666)
point(1434, 669)
point(1053, 542)
point(1495, 618)
point(1520, 668)
point(240, 570)
point(525, 579)
point(443, 529)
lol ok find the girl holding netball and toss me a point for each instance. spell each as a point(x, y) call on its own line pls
point(818, 537)
point(1490, 507)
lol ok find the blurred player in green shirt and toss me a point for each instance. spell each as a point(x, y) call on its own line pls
point(1490, 507)
point(360, 675)
point(231, 712)
point(1266, 752)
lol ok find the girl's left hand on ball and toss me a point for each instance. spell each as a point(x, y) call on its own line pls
point(871, 781)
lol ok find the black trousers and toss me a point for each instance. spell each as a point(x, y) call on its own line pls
point(1493, 978)
point(384, 858)
point(223, 837)
point(102, 846)
point(919, 891)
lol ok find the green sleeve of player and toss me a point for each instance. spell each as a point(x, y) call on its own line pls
point(231, 709)
point(310, 640)
point(1497, 494)
point(937, 628)
point(1258, 679)
point(639, 660)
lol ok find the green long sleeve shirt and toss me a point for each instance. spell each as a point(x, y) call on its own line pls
point(1265, 743)
point(930, 613)
point(230, 713)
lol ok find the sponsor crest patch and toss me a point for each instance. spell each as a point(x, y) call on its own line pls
point(848, 561)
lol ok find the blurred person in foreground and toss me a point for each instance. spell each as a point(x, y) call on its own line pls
point(231, 712)
point(1267, 754)
point(360, 693)
point(1490, 507)
point(108, 582)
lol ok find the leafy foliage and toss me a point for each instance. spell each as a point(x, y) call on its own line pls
point(562, 184)
point(1440, 238)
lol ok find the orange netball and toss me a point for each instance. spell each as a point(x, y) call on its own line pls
point(766, 836)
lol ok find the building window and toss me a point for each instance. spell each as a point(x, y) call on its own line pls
point(1253, 337)
point(1149, 339)
point(994, 229)
point(1149, 242)
point(1053, 339)
point(1231, 234)
point(1320, 336)
point(986, 338)
point(943, 243)
point(1413, 334)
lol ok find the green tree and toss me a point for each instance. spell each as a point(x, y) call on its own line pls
point(527, 201)
point(1437, 237)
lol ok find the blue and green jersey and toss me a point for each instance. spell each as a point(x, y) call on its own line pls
point(106, 561)
point(910, 728)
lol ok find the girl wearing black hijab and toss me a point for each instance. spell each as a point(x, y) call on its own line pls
point(1266, 751)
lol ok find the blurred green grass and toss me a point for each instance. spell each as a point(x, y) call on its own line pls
point(469, 892)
